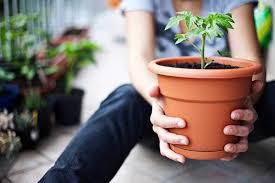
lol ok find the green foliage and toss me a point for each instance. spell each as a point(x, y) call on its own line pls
point(5, 76)
point(23, 120)
point(16, 40)
point(9, 143)
point(210, 27)
point(79, 55)
point(224, 53)
point(19, 45)
point(33, 101)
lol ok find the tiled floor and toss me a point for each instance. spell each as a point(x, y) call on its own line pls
point(144, 165)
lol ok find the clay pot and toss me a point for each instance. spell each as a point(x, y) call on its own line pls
point(72, 34)
point(205, 100)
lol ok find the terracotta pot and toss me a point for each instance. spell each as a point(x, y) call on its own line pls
point(205, 100)
point(70, 35)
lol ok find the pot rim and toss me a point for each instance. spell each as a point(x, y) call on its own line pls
point(247, 68)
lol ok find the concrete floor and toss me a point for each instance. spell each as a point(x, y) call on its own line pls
point(144, 165)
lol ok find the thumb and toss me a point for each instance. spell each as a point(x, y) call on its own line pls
point(154, 92)
point(256, 87)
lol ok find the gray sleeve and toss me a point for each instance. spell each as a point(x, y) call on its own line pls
point(137, 5)
point(229, 5)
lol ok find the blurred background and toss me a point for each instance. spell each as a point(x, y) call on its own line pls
point(55, 56)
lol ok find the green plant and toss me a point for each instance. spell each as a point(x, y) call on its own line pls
point(17, 41)
point(5, 76)
point(9, 142)
point(78, 54)
point(33, 101)
point(24, 120)
point(19, 45)
point(210, 27)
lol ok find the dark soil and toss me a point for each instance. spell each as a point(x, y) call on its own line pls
point(198, 66)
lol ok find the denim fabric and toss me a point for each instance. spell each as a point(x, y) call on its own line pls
point(98, 150)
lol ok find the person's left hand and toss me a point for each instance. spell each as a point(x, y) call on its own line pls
point(249, 116)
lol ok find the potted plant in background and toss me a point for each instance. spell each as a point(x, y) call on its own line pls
point(20, 49)
point(26, 119)
point(71, 34)
point(68, 105)
point(9, 142)
point(203, 90)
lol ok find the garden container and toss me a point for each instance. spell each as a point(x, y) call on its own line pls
point(204, 98)
point(68, 107)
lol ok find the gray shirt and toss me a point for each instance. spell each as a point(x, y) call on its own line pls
point(163, 10)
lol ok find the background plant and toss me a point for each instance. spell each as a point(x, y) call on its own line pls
point(210, 27)
point(79, 54)
point(9, 142)
point(5, 76)
point(19, 46)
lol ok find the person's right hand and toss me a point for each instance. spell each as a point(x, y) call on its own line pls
point(161, 123)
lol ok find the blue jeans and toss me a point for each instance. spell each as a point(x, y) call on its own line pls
point(98, 150)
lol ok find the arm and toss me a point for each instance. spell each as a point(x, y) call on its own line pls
point(243, 40)
point(141, 48)
point(244, 44)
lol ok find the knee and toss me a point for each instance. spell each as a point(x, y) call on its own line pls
point(125, 94)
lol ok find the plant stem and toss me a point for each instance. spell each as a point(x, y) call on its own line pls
point(202, 52)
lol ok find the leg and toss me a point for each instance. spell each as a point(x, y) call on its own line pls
point(100, 147)
point(265, 125)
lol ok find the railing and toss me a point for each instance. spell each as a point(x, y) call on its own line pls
point(55, 15)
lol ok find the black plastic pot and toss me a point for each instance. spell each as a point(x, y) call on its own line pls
point(46, 119)
point(68, 107)
point(29, 137)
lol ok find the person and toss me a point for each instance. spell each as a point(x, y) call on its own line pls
point(98, 150)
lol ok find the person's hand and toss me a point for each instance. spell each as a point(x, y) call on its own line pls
point(248, 116)
point(161, 123)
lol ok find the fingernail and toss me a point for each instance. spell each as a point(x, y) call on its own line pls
point(183, 141)
point(181, 160)
point(228, 148)
point(235, 116)
point(228, 131)
point(181, 124)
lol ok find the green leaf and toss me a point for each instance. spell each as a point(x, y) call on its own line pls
point(30, 74)
point(180, 38)
point(174, 21)
point(224, 53)
point(50, 70)
point(6, 76)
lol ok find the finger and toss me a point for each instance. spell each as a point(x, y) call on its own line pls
point(167, 152)
point(237, 130)
point(248, 115)
point(154, 92)
point(242, 146)
point(170, 138)
point(229, 158)
point(159, 119)
point(257, 86)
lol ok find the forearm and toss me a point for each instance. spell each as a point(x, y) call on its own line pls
point(243, 40)
point(142, 79)
point(141, 50)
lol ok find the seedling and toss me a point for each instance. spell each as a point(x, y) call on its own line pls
point(210, 27)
